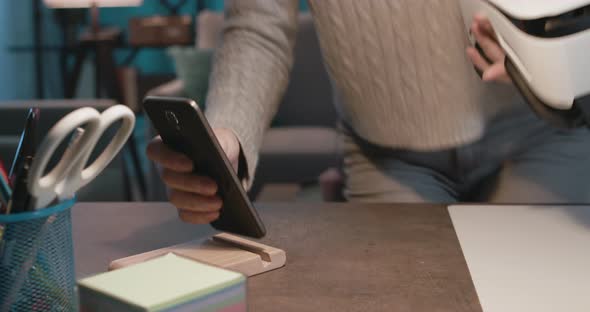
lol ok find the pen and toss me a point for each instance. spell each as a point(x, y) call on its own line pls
point(26, 144)
point(22, 162)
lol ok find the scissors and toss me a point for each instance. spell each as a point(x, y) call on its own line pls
point(71, 173)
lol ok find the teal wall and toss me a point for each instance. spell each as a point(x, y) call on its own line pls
point(17, 72)
point(17, 80)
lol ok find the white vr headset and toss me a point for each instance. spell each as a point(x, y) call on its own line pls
point(547, 43)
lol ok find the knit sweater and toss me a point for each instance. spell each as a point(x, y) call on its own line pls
point(399, 69)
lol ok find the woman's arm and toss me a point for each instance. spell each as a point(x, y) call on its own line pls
point(251, 71)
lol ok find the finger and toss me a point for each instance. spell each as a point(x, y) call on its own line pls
point(477, 59)
point(197, 217)
point(195, 202)
point(158, 152)
point(488, 43)
point(189, 182)
point(485, 25)
point(490, 47)
point(496, 72)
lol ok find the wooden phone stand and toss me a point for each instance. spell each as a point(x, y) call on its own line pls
point(222, 250)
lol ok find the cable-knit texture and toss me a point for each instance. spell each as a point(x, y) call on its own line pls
point(399, 68)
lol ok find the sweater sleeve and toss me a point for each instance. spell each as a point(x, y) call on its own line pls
point(251, 71)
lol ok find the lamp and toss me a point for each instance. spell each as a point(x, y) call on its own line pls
point(93, 5)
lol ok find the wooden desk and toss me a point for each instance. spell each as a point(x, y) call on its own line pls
point(340, 257)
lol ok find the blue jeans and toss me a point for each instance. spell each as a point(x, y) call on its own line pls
point(520, 159)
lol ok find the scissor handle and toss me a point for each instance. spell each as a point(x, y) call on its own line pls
point(80, 174)
point(42, 188)
point(71, 173)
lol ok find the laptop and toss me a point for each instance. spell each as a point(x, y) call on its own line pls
point(527, 258)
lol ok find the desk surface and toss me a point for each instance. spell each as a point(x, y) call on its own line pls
point(340, 257)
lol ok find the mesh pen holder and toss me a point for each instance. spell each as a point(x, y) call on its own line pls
point(37, 260)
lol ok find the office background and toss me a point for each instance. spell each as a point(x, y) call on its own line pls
point(17, 78)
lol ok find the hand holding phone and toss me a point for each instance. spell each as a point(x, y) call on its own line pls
point(200, 167)
point(194, 195)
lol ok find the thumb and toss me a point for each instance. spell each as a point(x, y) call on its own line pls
point(230, 145)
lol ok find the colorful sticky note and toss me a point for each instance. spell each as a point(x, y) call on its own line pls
point(167, 283)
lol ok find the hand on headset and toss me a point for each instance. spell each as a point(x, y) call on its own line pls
point(489, 59)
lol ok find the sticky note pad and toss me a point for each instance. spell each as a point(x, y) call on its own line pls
point(167, 283)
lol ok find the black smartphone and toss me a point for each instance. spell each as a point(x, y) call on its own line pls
point(184, 128)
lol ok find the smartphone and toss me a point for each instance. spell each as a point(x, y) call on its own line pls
point(184, 128)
